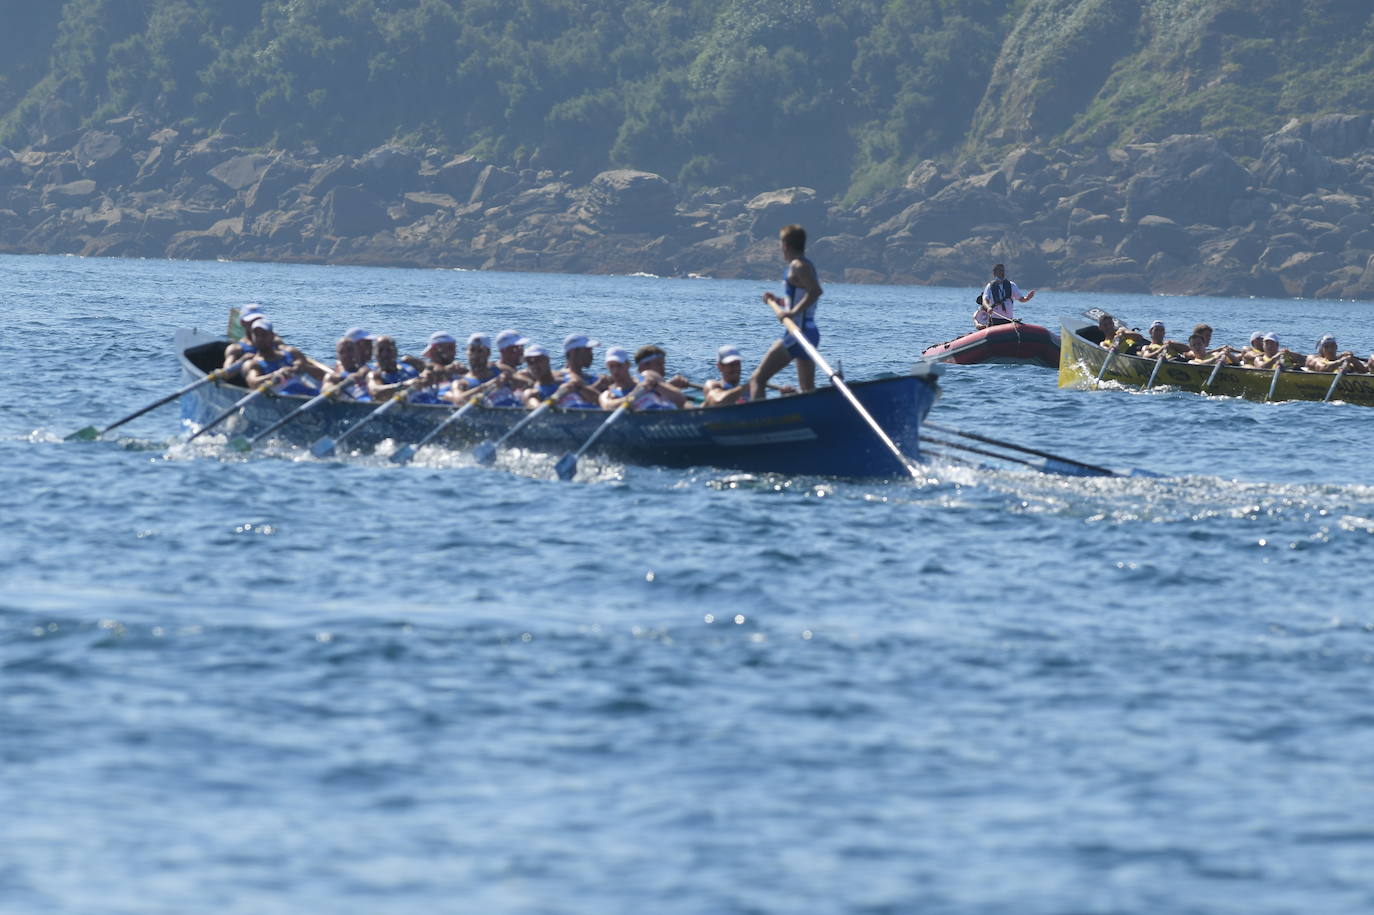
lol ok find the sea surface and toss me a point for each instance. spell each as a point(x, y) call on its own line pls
point(273, 684)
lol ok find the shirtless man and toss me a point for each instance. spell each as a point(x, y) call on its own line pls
point(1326, 359)
point(1273, 355)
point(801, 291)
point(995, 303)
point(280, 366)
point(1158, 345)
point(726, 389)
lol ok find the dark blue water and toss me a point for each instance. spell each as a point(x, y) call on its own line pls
point(276, 684)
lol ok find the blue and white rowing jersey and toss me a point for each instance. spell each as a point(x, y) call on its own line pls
point(296, 384)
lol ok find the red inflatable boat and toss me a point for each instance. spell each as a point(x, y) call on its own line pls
point(1005, 344)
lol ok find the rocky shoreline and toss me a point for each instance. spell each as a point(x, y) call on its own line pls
point(1287, 215)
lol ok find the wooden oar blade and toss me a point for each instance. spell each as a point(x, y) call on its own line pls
point(88, 434)
point(323, 447)
point(485, 453)
point(566, 468)
point(403, 454)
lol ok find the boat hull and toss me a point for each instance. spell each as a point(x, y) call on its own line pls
point(817, 433)
point(1081, 359)
point(1005, 344)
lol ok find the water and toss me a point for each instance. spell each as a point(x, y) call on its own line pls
point(276, 684)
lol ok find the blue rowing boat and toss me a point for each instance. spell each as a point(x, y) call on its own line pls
point(813, 434)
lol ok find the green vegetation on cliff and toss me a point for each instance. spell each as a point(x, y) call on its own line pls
point(844, 96)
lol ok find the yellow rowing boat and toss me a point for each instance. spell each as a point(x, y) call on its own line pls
point(1081, 362)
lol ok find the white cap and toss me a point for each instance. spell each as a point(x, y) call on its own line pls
point(617, 354)
point(510, 338)
point(440, 336)
point(247, 320)
point(356, 333)
point(534, 350)
point(479, 339)
point(251, 308)
point(577, 341)
point(1271, 336)
point(1325, 340)
point(1159, 324)
point(728, 353)
point(1257, 335)
point(262, 324)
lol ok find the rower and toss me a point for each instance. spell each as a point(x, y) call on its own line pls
point(577, 362)
point(658, 393)
point(349, 370)
point(1253, 350)
point(1326, 359)
point(440, 369)
point(244, 347)
point(566, 393)
point(620, 383)
point(363, 341)
point(726, 390)
point(510, 348)
point(801, 291)
point(481, 371)
point(281, 366)
point(997, 298)
point(1126, 340)
point(1273, 355)
point(1159, 346)
point(1197, 353)
point(390, 372)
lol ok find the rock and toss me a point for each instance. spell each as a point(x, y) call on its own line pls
point(69, 194)
point(772, 210)
point(994, 182)
point(1339, 135)
point(337, 171)
point(492, 182)
point(1189, 179)
point(102, 156)
point(1153, 234)
point(1304, 273)
point(1021, 164)
point(350, 211)
point(389, 170)
point(241, 171)
point(927, 179)
point(420, 203)
point(626, 200)
point(280, 175)
point(195, 246)
point(842, 252)
point(458, 176)
point(1294, 166)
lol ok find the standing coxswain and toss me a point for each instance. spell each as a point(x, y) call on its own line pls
point(801, 291)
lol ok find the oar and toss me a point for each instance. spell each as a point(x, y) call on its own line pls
point(324, 446)
point(238, 443)
point(566, 468)
point(1335, 381)
point(938, 427)
point(1212, 377)
point(404, 453)
point(485, 453)
point(1155, 371)
point(243, 401)
point(1275, 383)
point(90, 433)
point(1116, 344)
point(814, 355)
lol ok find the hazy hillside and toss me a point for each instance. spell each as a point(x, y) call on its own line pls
point(843, 96)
